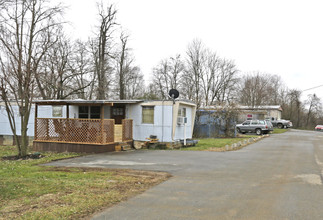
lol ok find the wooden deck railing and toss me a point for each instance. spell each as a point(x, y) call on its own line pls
point(86, 131)
point(127, 130)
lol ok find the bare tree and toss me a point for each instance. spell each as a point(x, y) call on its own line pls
point(122, 65)
point(102, 49)
point(211, 77)
point(161, 78)
point(314, 109)
point(224, 82)
point(135, 86)
point(168, 75)
point(151, 92)
point(187, 90)
point(293, 105)
point(81, 67)
point(25, 32)
point(275, 90)
point(129, 80)
point(54, 70)
point(254, 89)
point(195, 68)
point(61, 73)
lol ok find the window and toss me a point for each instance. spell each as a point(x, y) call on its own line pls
point(83, 112)
point(254, 122)
point(262, 122)
point(246, 123)
point(182, 112)
point(148, 114)
point(57, 111)
point(117, 111)
point(95, 112)
point(89, 112)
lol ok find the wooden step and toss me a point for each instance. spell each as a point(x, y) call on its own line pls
point(126, 147)
point(123, 147)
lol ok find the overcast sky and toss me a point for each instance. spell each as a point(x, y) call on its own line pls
point(283, 37)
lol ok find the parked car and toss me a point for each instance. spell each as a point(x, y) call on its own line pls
point(255, 126)
point(280, 123)
point(319, 128)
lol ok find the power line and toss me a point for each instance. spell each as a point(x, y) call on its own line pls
point(312, 88)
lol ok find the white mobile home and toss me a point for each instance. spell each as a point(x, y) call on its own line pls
point(98, 126)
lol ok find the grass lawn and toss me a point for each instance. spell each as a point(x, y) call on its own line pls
point(279, 130)
point(28, 191)
point(211, 143)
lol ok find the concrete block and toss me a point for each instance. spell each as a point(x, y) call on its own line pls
point(138, 144)
point(117, 148)
point(126, 147)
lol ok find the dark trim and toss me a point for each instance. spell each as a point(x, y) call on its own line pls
point(70, 147)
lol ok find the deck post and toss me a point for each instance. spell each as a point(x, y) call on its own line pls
point(67, 111)
point(47, 129)
point(67, 134)
point(102, 127)
point(36, 116)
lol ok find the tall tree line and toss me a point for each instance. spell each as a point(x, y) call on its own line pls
point(103, 67)
point(201, 76)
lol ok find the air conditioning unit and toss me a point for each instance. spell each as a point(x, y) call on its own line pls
point(181, 120)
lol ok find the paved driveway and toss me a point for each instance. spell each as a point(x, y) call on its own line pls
point(278, 177)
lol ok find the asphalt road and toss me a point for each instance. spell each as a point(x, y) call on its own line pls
point(279, 177)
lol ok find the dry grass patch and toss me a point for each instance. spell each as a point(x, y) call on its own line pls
point(33, 192)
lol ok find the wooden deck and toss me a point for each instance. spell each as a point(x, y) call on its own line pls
point(80, 135)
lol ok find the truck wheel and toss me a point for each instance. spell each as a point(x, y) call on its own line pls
point(258, 131)
point(280, 126)
point(238, 130)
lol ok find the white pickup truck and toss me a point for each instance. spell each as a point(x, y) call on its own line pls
point(280, 123)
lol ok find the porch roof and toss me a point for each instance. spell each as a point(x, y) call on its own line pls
point(85, 102)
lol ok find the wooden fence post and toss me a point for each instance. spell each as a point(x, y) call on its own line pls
point(36, 117)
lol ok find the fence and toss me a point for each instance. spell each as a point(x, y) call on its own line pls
point(126, 129)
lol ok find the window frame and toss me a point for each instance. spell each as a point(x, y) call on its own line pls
point(89, 113)
point(148, 107)
point(57, 111)
point(182, 112)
